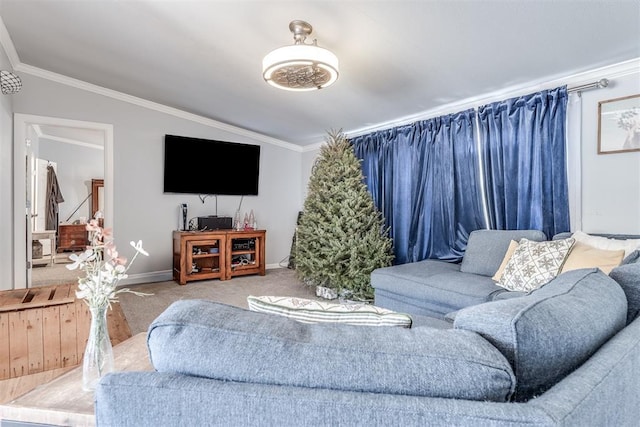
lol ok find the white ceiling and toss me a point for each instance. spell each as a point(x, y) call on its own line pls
point(397, 58)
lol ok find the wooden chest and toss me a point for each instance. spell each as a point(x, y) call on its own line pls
point(41, 329)
point(72, 237)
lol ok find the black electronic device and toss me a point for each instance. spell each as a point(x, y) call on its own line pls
point(183, 209)
point(205, 166)
point(243, 244)
point(214, 223)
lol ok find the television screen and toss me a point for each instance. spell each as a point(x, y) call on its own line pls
point(205, 166)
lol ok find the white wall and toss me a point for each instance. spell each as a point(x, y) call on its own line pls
point(141, 210)
point(77, 166)
point(6, 182)
point(308, 160)
point(610, 182)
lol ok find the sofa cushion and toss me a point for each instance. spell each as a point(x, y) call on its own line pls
point(436, 285)
point(534, 264)
point(551, 331)
point(213, 340)
point(314, 311)
point(628, 277)
point(486, 249)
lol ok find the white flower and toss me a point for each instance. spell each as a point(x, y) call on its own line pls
point(138, 247)
point(79, 260)
point(103, 268)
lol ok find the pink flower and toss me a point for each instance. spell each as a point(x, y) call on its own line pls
point(92, 225)
point(111, 252)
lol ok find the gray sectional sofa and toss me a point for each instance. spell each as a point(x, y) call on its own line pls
point(433, 289)
point(567, 354)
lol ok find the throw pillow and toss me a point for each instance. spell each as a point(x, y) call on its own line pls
point(312, 311)
point(512, 247)
point(628, 277)
point(628, 245)
point(632, 258)
point(585, 256)
point(534, 264)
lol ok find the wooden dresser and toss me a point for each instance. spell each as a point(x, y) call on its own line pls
point(72, 237)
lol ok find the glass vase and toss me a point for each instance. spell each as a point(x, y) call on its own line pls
point(98, 355)
point(237, 221)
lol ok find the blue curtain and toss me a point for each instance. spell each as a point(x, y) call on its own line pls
point(424, 179)
point(524, 162)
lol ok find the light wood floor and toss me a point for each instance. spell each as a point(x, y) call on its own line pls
point(14, 387)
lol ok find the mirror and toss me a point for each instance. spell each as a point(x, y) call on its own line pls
point(29, 131)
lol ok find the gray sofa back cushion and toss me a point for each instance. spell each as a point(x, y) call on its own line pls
point(212, 340)
point(486, 249)
point(553, 330)
point(628, 277)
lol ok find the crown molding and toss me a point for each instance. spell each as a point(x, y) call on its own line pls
point(7, 45)
point(610, 72)
point(14, 59)
point(89, 87)
point(38, 129)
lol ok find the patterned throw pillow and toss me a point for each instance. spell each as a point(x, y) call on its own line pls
point(534, 264)
point(312, 311)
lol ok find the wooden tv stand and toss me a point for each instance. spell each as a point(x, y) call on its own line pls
point(217, 254)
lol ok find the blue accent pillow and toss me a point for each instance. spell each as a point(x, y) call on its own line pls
point(628, 277)
point(632, 258)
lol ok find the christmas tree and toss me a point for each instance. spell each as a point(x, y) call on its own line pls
point(341, 237)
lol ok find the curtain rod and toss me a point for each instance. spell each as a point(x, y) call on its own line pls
point(602, 83)
point(594, 85)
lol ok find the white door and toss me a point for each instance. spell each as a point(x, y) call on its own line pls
point(30, 171)
point(39, 207)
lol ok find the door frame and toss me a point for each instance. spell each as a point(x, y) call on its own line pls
point(21, 123)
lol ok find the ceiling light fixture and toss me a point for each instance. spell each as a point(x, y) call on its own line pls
point(9, 82)
point(301, 66)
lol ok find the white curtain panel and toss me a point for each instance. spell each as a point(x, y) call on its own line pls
point(574, 159)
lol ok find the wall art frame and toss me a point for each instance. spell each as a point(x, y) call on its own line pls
point(619, 125)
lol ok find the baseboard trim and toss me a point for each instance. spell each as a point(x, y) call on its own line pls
point(164, 276)
point(153, 276)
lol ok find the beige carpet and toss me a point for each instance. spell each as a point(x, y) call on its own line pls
point(141, 311)
point(44, 273)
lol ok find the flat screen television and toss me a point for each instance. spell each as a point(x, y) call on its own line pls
point(206, 166)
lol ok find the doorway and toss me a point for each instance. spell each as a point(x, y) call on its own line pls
point(29, 132)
